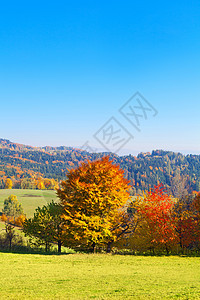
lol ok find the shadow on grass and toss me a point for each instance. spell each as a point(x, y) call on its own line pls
point(25, 250)
point(189, 253)
point(22, 249)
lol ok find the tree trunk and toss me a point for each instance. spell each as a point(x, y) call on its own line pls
point(181, 243)
point(109, 247)
point(59, 246)
point(46, 247)
point(94, 247)
point(10, 243)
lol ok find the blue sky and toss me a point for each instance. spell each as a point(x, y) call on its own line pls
point(66, 67)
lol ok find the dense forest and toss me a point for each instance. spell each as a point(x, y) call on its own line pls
point(19, 162)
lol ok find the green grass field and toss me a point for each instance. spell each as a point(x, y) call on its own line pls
point(82, 276)
point(93, 276)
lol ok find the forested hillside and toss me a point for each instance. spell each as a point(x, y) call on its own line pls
point(144, 171)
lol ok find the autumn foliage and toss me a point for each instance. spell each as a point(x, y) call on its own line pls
point(155, 212)
point(164, 223)
point(13, 212)
point(93, 196)
point(95, 212)
point(8, 183)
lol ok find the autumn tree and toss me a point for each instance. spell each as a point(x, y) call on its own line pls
point(196, 221)
point(185, 219)
point(157, 223)
point(12, 207)
point(10, 234)
point(179, 185)
point(8, 183)
point(50, 184)
point(92, 197)
point(130, 228)
point(40, 184)
point(28, 183)
point(46, 226)
point(12, 214)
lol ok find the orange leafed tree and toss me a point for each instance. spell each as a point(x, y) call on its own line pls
point(92, 197)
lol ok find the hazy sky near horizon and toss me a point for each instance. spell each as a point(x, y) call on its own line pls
point(67, 67)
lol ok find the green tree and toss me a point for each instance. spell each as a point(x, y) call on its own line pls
point(12, 207)
point(46, 226)
point(27, 183)
point(10, 234)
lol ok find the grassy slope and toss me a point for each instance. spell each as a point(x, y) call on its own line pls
point(30, 199)
point(98, 276)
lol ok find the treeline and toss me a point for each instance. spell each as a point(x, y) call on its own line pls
point(161, 224)
point(143, 171)
point(94, 212)
point(35, 183)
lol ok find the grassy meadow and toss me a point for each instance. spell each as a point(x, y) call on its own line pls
point(98, 276)
point(92, 276)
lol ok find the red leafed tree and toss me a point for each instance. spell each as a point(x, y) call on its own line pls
point(155, 208)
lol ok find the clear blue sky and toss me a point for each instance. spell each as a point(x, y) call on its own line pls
point(66, 67)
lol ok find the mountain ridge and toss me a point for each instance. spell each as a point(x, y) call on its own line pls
point(145, 170)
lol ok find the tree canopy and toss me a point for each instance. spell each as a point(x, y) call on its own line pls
point(93, 196)
point(8, 183)
point(12, 207)
point(46, 226)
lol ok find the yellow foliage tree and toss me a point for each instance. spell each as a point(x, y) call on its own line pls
point(93, 196)
point(40, 185)
point(8, 183)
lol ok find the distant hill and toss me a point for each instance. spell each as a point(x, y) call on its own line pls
point(15, 146)
point(144, 171)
